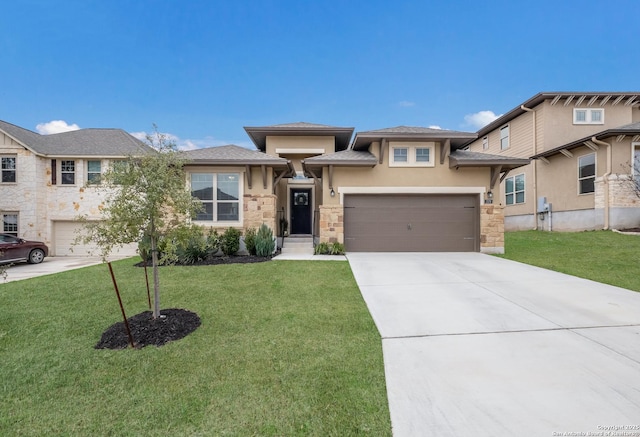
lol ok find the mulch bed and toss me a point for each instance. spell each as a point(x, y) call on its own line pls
point(630, 230)
point(173, 324)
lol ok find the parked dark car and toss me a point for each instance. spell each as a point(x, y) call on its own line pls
point(13, 249)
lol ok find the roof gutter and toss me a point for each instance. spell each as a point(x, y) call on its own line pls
point(605, 179)
point(534, 166)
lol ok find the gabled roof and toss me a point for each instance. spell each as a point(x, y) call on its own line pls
point(626, 98)
point(411, 133)
point(78, 143)
point(232, 155)
point(465, 158)
point(259, 134)
point(627, 129)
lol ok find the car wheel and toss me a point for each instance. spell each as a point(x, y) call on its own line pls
point(36, 256)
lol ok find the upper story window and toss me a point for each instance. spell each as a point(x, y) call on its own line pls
point(8, 168)
point(67, 172)
point(588, 116)
point(412, 154)
point(586, 173)
point(94, 172)
point(219, 194)
point(504, 138)
point(10, 223)
point(485, 143)
point(514, 189)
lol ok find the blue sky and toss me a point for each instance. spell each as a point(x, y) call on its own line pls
point(201, 70)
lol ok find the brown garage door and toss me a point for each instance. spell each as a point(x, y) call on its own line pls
point(411, 223)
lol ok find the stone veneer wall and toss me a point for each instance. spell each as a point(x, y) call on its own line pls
point(331, 224)
point(491, 229)
point(621, 192)
point(259, 209)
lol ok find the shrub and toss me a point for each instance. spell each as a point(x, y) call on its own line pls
point(250, 240)
point(193, 250)
point(321, 249)
point(264, 241)
point(213, 242)
point(144, 248)
point(230, 241)
point(337, 249)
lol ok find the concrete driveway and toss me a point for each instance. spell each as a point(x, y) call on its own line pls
point(51, 265)
point(476, 345)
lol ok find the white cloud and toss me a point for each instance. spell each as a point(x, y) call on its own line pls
point(406, 104)
point(193, 144)
point(55, 127)
point(433, 126)
point(481, 119)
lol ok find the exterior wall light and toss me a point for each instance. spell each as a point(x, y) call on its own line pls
point(489, 198)
point(332, 193)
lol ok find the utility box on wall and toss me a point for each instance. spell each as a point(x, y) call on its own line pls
point(543, 206)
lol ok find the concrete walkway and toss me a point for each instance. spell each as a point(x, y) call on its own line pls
point(476, 345)
point(51, 265)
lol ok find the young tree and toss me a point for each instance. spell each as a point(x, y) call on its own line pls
point(146, 197)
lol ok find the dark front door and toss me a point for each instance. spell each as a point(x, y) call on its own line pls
point(301, 211)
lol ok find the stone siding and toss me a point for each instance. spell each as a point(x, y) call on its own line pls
point(259, 209)
point(331, 224)
point(491, 229)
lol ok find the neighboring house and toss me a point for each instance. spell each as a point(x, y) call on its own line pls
point(46, 181)
point(584, 149)
point(398, 189)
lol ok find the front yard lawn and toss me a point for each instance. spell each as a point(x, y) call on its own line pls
point(602, 256)
point(285, 348)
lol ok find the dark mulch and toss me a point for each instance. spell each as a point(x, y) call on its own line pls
point(216, 260)
point(630, 230)
point(173, 324)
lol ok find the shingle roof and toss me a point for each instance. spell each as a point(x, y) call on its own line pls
point(345, 157)
point(465, 158)
point(627, 129)
point(258, 134)
point(83, 142)
point(232, 154)
point(362, 140)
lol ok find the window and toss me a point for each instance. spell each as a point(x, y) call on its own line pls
point(588, 116)
point(636, 163)
point(411, 154)
point(586, 173)
point(68, 172)
point(400, 154)
point(514, 189)
point(423, 154)
point(485, 143)
point(10, 224)
point(504, 138)
point(219, 194)
point(8, 169)
point(94, 172)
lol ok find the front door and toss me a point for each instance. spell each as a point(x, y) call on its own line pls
point(301, 204)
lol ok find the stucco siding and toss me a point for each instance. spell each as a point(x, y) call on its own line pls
point(326, 143)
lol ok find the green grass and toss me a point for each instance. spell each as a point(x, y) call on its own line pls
point(285, 348)
point(601, 256)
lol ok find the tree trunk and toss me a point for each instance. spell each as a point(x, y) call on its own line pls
point(156, 278)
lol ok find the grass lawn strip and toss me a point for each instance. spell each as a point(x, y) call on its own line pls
point(602, 256)
point(285, 348)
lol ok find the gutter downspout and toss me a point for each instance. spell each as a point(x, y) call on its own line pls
point(534, 167)
point(605, 179)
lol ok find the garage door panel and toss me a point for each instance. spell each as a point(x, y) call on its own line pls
point(65, 234)
point(408, 223)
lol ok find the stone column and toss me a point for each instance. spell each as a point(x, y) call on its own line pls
point(259, 209)
point(491, 229)
point(331, 224)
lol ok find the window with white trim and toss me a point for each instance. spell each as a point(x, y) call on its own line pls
point(504, 138)
point(8, 168)
point(485, 143)
point(10, 223)
point(67, 172)
point(588, 116)
point(514, 189)
point(586, 173)
point(94, 172)
point(411, 154)
point(219, 194)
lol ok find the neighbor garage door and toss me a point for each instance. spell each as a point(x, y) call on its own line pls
point(64, 235)
point(411, 223)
